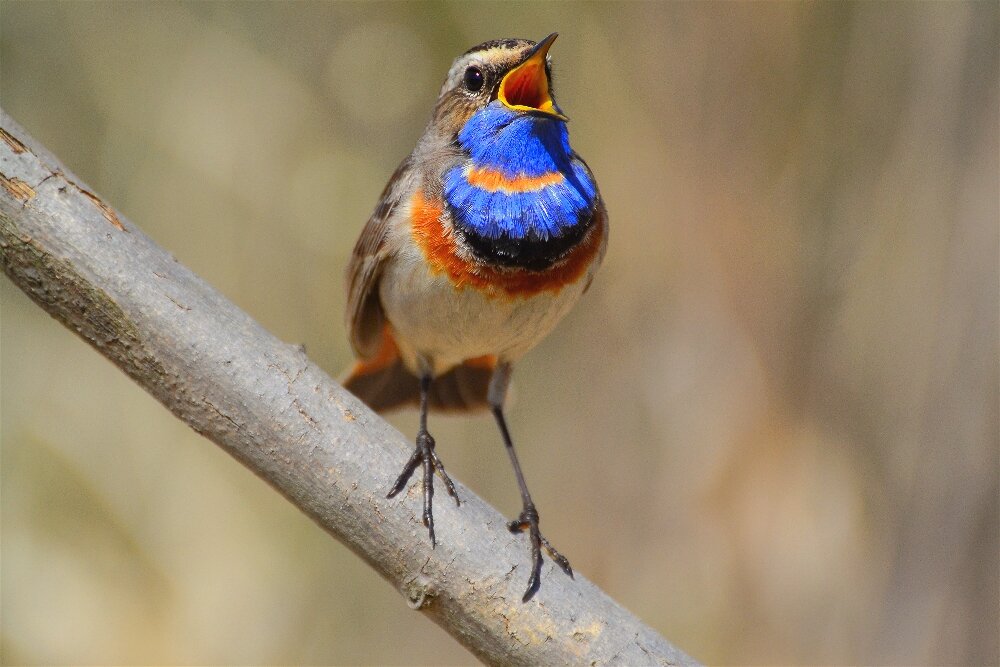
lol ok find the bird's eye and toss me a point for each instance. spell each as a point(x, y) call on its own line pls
point(474, 79)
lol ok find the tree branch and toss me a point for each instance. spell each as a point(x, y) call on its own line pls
point(276, 412)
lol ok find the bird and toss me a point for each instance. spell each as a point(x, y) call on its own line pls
point(485, 236)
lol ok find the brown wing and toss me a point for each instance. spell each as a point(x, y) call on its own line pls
point(364, 315)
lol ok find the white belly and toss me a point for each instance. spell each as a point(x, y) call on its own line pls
point(439, 326)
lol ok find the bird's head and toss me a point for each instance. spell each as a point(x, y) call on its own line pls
point(513, 73)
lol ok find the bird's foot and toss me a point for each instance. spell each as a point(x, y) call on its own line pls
point(529, 520)
point(424, 454)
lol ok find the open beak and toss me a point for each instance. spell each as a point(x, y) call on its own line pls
point(526, 87)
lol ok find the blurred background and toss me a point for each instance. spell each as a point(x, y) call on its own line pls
point(770, 429)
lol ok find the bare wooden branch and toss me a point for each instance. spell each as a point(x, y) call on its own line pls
point(276, 412)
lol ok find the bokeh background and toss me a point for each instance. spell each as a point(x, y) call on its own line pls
point(770, 429)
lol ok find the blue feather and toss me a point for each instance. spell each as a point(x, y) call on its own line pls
point(517, 144)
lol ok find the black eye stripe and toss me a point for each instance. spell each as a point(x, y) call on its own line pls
point(473, 79)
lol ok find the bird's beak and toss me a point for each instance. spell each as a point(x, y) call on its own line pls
point(526, 87)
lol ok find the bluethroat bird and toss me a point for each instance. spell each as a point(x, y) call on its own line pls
point(484, 238)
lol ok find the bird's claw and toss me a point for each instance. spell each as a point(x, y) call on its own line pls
point(424, 454)
point(529, 521)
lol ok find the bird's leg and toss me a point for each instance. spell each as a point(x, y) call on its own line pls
point(529, 515)
point(424, 454)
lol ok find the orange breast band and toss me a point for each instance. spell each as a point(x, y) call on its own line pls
point(492, 180)
point(444, 256)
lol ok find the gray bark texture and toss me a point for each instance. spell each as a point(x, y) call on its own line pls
point(277, 413)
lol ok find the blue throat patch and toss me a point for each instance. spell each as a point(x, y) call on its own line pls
point(520, 191)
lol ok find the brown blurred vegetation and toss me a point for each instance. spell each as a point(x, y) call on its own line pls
point(770, 429)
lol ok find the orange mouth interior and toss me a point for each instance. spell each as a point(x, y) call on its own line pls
point(527, 86)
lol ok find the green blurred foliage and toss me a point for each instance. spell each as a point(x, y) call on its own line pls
point(770, 429)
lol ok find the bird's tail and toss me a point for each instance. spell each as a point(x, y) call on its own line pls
point(384, 382)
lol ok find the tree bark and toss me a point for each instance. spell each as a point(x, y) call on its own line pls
point(275, 411)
